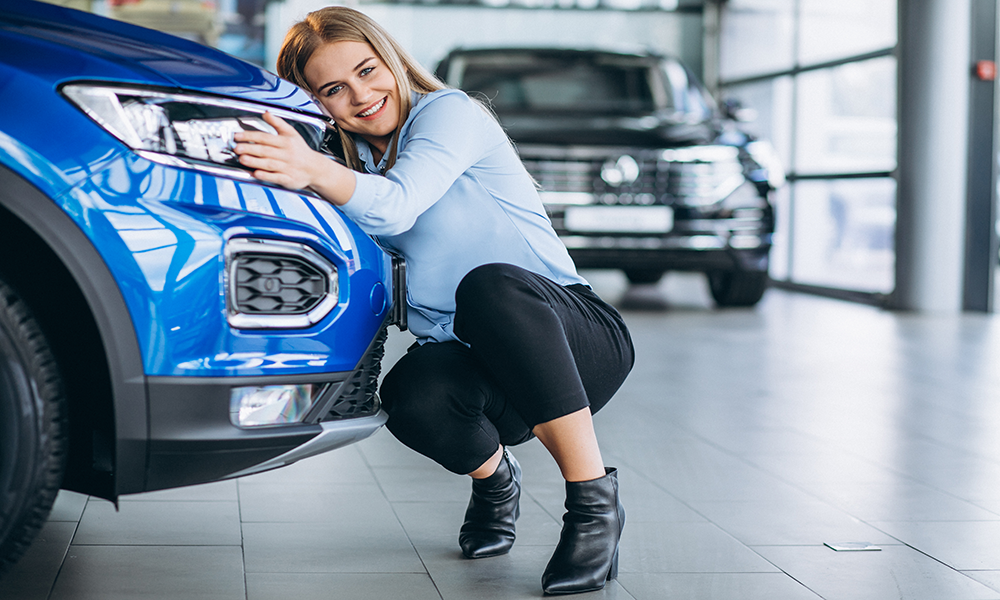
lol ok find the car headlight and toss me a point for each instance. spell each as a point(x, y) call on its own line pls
point(764, 155)
point(181, 128)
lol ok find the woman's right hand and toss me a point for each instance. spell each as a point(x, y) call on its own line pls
point(286, 160)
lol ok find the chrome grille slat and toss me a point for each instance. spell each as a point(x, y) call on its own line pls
point(680, 177)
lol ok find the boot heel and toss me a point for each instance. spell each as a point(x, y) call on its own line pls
point(613, 572)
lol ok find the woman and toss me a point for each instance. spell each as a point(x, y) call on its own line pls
point(513, 344)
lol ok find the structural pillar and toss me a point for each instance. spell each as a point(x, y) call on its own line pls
point(934, 75)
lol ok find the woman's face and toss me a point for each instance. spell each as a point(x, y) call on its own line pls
point(357, 88)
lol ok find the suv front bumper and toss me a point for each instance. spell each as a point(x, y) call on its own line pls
point(193, 439)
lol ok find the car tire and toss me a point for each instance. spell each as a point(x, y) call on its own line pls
point(641, 276)
point(737, 288)
point(33, 428)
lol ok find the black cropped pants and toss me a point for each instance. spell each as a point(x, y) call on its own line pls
point(536, 351)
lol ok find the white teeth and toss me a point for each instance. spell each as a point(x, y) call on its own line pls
point(371, 111)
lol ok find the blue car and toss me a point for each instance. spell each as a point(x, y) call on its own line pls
point(165, 318)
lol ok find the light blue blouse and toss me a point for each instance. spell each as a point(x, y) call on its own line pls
point(457, 197)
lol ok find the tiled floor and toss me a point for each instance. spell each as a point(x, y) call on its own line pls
point(746, 440)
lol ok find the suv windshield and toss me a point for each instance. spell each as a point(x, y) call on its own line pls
point(524, 82)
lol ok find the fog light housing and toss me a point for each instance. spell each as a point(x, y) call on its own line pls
point(270, 405)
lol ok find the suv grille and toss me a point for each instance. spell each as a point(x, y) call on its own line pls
point(691, 176)
point(277, 284)
point(272, 285)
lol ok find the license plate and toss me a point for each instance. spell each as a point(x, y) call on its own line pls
point(619, 219)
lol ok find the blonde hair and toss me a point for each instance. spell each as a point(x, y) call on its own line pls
point(342, 24)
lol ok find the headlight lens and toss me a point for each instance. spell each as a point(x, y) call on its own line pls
point(183, 129)
point(765, 155)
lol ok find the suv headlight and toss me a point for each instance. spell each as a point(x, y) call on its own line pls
point(184, 129)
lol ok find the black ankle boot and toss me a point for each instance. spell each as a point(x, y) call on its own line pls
point(489, 521)
point(587, 554)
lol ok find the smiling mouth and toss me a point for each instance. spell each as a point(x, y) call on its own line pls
point(374, 109)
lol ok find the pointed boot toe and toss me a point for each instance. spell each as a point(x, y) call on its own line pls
point(488, 529)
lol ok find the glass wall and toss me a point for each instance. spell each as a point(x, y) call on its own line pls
point(821, 77)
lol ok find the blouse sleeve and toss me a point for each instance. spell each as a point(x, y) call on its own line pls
point(447, 135)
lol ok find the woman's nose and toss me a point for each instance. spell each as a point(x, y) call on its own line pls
point(361, 93)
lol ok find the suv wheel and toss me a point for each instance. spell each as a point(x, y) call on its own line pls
point(737, 288)
point(644, 275)
point(33, 430)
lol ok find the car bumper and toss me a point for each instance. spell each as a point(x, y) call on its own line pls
point(698, 252)
point(193, 438)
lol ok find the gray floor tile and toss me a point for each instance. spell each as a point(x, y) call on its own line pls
point(990, 504)
point(426, 484)
point(989, 578)
point(962, 545)
point(345, 465)
point(750, 442)
point(151, 573)
point(158, 523)
point(686, 548)
point(297, 502)
point(900, 501)
point(715, 586)
point(32, 577)
point(893, 572)
point(826, 466)
point(221, 491)
point(357, 545)
point(793, 521)
point(383, 450)
point(68, 506)
point(324, 586)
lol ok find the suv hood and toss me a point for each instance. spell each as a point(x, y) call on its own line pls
point(64, 44)
point(603, 130)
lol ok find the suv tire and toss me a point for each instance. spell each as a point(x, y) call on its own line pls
point(737, 288)
point(33, 432)
point(643, 276)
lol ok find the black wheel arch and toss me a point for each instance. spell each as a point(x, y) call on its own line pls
point(52, 264)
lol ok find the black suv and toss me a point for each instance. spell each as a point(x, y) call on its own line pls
point(639, 169)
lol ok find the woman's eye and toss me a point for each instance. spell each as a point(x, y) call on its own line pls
point(334, 89)
point(367, 70)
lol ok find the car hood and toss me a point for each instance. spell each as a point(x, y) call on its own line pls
point(62, 44)
point(605, 130)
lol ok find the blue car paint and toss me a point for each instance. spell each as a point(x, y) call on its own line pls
point(161, 229)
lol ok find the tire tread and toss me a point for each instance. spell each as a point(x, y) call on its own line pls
point(44, 371)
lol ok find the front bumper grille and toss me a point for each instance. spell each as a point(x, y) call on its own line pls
point(276, 284)
point(358, 396)
point(692, 176)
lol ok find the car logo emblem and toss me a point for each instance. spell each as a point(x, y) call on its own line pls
point(621, 172)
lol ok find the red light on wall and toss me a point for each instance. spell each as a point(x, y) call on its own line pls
point(986, 70)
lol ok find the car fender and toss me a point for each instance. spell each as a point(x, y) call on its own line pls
point(104, 299)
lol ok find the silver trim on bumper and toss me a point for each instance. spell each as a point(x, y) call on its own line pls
point(335, 434)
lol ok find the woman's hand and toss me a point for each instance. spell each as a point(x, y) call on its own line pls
point(286, 160)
